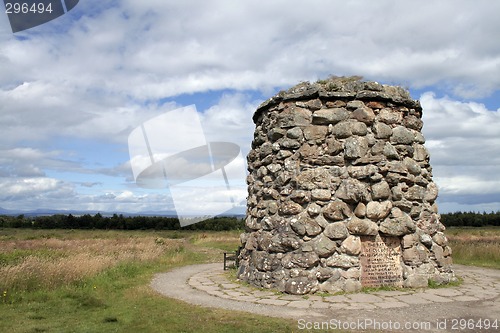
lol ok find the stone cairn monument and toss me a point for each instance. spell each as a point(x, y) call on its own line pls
point(340, 192)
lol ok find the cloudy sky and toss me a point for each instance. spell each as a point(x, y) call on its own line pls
point(74, 89)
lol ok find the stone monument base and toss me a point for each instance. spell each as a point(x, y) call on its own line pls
point(340, 192)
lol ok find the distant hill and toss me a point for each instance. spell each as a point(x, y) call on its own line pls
point(49, 212)
point(6, 212)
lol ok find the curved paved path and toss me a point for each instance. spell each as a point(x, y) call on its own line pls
point(429, 310)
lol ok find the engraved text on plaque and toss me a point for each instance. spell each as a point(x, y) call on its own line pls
point(380, 261)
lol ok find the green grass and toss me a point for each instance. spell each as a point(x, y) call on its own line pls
point(227, 241)
point(476, 253)
point(473, 231)
point(475, 246)
point(119, 299)
point(435, 285)
point(16, 256)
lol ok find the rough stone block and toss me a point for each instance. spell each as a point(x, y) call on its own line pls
point(351, 245)
point(362, 227)
point(336, 211)
point(336, 230)
point(378, 210)
point(299, 286)
point(329, 116)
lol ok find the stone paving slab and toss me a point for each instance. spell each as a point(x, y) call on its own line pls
point(291, 297)
point(413, 299)
point(475, 287)
point(336, 299)
point(445, 292)
point(364, 298)
point(435, 298)
point(390, 293)
point(389, 305)
point(359, 306)
point(320, 305)
point(299, 304)
point(465, 298)
point(273, 301)
point(209, 285)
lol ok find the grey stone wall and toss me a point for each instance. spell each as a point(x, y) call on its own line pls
point(332, 162)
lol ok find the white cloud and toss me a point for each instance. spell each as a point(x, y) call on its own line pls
point(464, 142)
point(103, 69)
point(155, 49)
point(91, 78)
point(125, 196)
point(468, 185)
point(466, 133)
point(125, 201)
point(30, 162)
point(33, 188)
point(26, 194)
point(230, 120)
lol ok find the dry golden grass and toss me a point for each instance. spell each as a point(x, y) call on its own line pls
point(474, 238)
point(475, 246)
point(208, 238)
point(227, 241)
point(73, 260)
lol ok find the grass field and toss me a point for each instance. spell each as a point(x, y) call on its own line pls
point(98, 281)
point(475, 246)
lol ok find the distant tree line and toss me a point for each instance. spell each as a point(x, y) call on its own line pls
point(121, 222)
point(470, 219)
point(117, 222)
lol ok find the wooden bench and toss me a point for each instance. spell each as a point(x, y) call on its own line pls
point(231, 256)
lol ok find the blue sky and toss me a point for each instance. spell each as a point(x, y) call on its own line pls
point(72, 90)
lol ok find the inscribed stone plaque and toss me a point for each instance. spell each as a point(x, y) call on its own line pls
point(380, 261)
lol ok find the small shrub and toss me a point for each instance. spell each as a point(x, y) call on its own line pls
point(110, 320)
